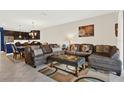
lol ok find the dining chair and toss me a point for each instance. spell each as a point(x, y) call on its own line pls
point(15, 52)
point(17, 44)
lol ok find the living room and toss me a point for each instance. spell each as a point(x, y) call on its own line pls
point(70, 35)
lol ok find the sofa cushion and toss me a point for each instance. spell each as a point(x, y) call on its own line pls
point(54, 45)
point(38, 52)
point(103, 50)
point(99, 48)
point(70, 52)
point(33, 47)
point(106, 49)
point(85, 48)
point(103, 60)
point(46, 49)
point(83, 53)
point(56, 49)
point(74, 47)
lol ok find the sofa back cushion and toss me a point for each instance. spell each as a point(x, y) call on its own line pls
point(86, 47)
point(105, 50)
point(33, 47)
point(54, 45)
point(56, 49)
point(46, 49)
point(74, 47)
point(98, 48)
point(38, 52)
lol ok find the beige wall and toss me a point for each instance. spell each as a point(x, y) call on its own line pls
point(103, 31)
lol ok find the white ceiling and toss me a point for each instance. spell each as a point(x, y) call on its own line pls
point(11, 19)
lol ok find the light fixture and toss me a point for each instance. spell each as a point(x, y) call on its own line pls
point(33, 32)
point(70, 38)
point(20, 36)
point(30, 33)
point(33, 37)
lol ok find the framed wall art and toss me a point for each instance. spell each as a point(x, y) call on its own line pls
point(86, 31)
point(116, 29)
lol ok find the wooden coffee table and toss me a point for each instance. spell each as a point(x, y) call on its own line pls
point(70, 60)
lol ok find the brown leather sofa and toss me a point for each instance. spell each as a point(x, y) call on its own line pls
point(83, 50)
point(106, 57)
point(36, 55)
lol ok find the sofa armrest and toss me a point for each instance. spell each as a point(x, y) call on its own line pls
point(90, 51)
point(116, 56)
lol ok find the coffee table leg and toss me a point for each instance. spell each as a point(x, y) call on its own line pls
point(77, 71)
point(51, 64)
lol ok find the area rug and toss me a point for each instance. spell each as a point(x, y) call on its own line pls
point(58, 75)
point(62, 76)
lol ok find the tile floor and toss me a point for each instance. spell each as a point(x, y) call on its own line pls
point(19, 72)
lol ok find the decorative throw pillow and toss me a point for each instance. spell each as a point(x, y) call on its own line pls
point(46, 49)
point(73, 48)
point(85, 48)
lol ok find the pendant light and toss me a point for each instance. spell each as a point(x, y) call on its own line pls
point(20, 36)
point(33, 32)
